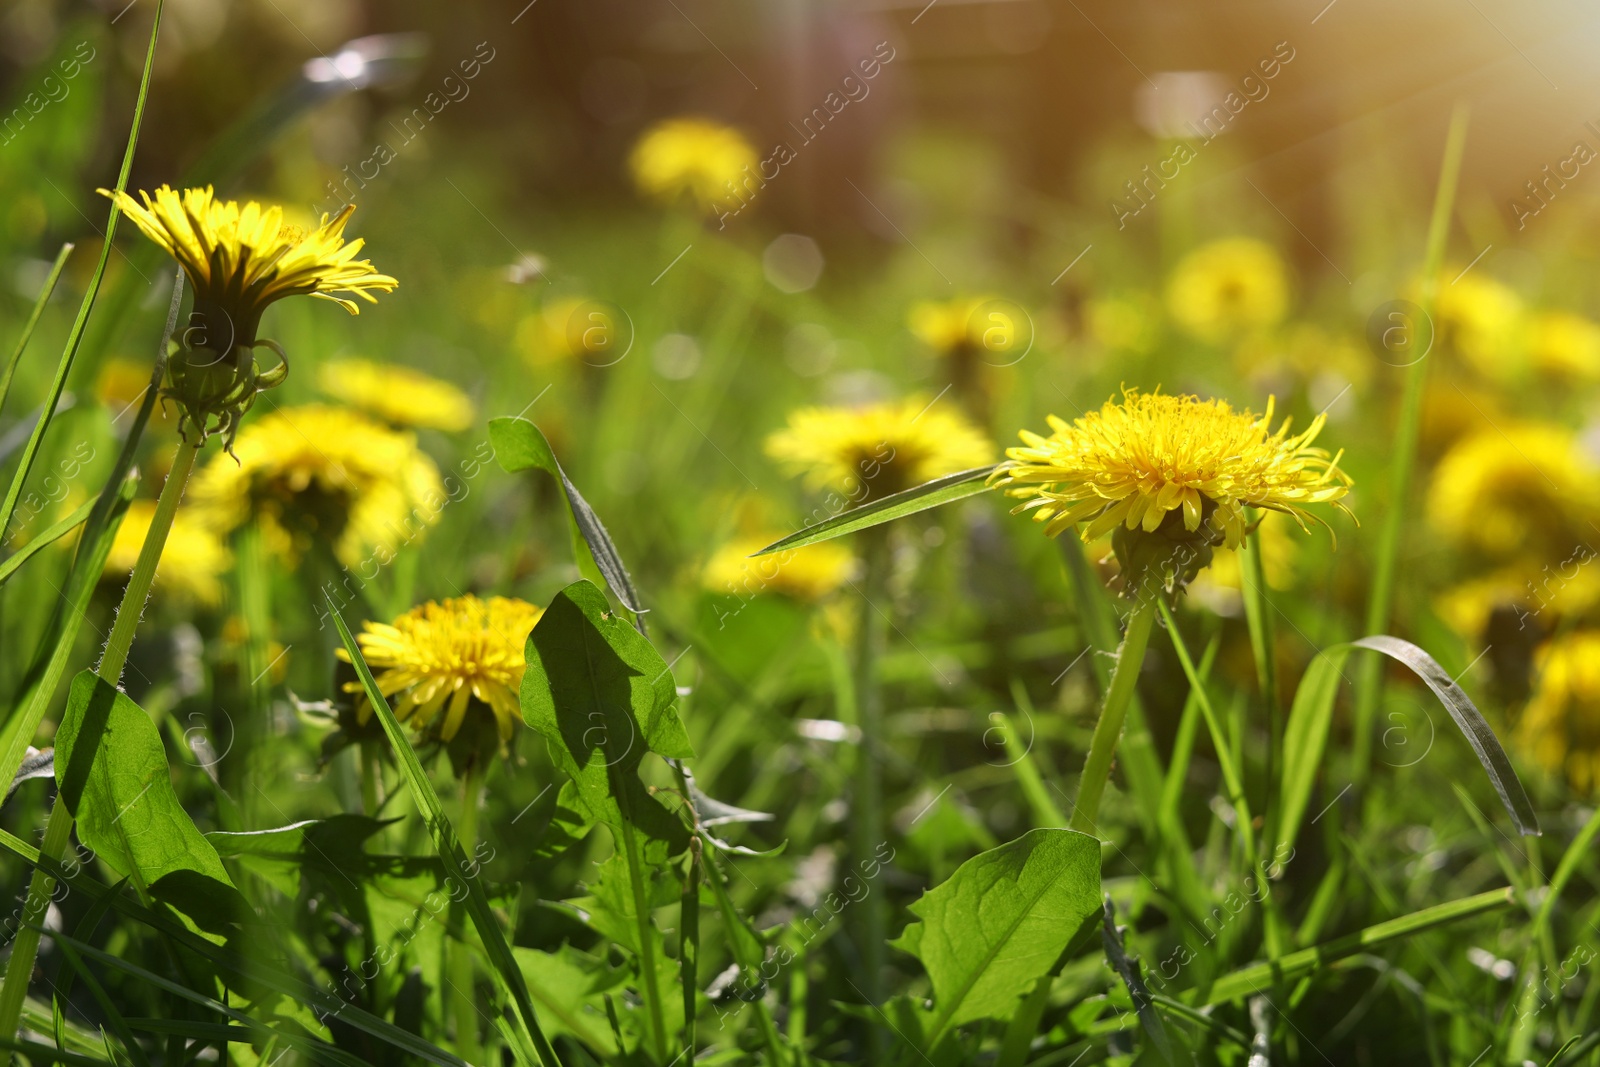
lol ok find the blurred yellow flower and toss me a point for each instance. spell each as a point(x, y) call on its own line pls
point(804, 574)
point(1221, 584)
point(1504, 489)
point(328, 475)
point(1123, 323)
point(192, 561)
point(240, 258)
point(573, 330)
point(1137, 460)
point(399, 396)
point(692, 159)
point(874, 451)
point(1228, 288)
point(1536, 595)
point(1560, 727)
point(1479, 318)
point(947, 326)
point(463, 650)
point(121, 385)
point(1564, 345)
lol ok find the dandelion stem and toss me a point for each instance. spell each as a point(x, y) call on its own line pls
point(463, 1010)
point(871, 634)
point(144, 571)
point(1103, 746)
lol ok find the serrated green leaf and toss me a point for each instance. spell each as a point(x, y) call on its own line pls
point(946, 490)
point(1001, 921)
point(113, 774)
point(604, 699)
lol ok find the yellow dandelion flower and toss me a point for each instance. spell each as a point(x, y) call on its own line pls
point(1564, 345)
point(1228, 288)
point(693, 159)
point(192, 561)
point(805, 574)
point(1479, 318)
point(573, 329)
point(874, 451)
point(1501, 489)
point(326, 474)
point(242, 257)
point(1560, 728)
point(1137, 460)
point(399, 396)
point(1537, 596)
point(448, 656)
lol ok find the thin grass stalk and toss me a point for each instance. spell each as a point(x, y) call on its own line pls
point(1272, 922)
point(1404, 454)
point(33, 321)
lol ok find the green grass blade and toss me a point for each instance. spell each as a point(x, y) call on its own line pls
point(75, 337)
point(1403, 457)
point(41, 1054)
point(1471, 721)
point(507, 972)
point(950, 488)
point(1259, 978)
point(33, 320)
point(45, 539)
point(114, 1018)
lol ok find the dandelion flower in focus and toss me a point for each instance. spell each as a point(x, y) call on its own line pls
point(878, 450)
point(192, 561)
point(452, 656)
point(323, 474)
point(804, 574)
point(1179, 465)
point(1505, 488)
point(1228, 288)
point(242, 257)
point(1560, 727)
point(399, 396)
point(691, 159)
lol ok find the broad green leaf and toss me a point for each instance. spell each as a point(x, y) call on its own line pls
point(519, 445)
point(1261, 977)
point(565, 982)
point(114, 778)
point(1307, 733)
point(504, 968)
point(1001, 921)
point(604, 699)
point(950, 488)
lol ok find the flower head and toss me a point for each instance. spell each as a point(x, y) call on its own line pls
point(239, 259)
point(947, 326)
point(692, 159)
point(242, 257)
point(1507, 487)
point(329, 475)
point(194, 554)
point(1560, 728)
point(875, 451)
point(1228, 288)
point(1479, 317)
point(399, 396)
point(450, 655)
point(1172, 463)
point(805, 574)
